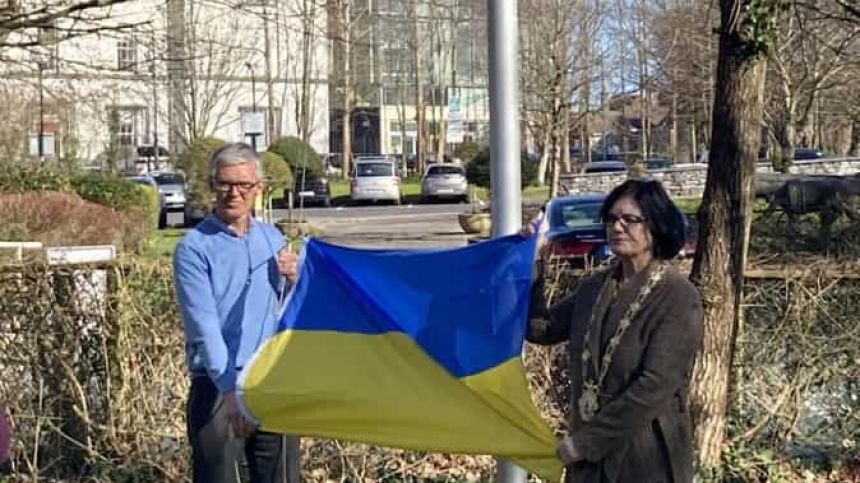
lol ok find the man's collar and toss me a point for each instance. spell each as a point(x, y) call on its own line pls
point(213, 218)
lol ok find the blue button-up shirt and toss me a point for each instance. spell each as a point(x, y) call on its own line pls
point(228, 288)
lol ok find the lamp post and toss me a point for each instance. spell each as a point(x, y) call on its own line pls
point(253, 104)
point(41, 149)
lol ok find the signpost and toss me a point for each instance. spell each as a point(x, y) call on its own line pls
point(254, 126)
point(454, 130)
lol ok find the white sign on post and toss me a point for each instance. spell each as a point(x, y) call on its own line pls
point(253, 122)
point(47, 144)
point(454, 130)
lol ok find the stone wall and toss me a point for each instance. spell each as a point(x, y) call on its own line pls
point(689, 179)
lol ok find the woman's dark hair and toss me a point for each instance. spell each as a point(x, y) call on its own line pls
point(665, 221)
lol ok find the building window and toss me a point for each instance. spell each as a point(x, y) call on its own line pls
point(127, 126)
point(126, 54)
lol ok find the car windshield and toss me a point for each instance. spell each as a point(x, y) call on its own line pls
point(576, 215)
point(374, 169)
point(442, 170)
point(169, 178)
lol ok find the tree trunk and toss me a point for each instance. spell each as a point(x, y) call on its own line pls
point(544, 158)
point(347, 87)
point(553, 160)
point(177, 74)
point(304, 120)
point(421, 130)
point(724, 225)
point(271, 129)
point(854, 150)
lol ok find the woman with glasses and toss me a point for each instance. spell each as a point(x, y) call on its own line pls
point(633, 331)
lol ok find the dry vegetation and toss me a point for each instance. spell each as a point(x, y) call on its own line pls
point(96, 386)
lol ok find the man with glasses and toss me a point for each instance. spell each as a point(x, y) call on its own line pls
point(231, 272)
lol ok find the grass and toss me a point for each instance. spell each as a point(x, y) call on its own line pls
point(165, 242)
point(689, 206)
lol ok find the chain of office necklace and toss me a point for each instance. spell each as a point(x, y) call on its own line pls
point(589, 401)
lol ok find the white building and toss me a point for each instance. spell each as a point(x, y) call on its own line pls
point(186, 69)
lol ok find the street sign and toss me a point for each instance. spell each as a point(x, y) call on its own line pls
point(454, 129)
point(47, 144)
point(80, 254)
point(253, 122)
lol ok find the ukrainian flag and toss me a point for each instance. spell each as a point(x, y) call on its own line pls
point(406, 348)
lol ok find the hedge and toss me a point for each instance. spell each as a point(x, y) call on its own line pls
point(299, 155)
point(194, 162)
point(478, 170)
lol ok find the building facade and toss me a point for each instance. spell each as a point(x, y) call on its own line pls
point(398, 49)
point(182, 70)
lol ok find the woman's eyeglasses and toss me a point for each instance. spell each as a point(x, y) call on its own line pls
point(242, 187)
point(626, 219)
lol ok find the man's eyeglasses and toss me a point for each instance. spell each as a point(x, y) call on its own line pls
point(242, 187)
point(626, 219)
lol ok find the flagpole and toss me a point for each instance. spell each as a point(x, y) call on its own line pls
point(504, 144)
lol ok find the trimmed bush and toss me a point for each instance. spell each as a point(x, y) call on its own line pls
point(467, 151)
point(299, 155)
point(110, 191)
point(278, 172)
point(60, 219)
point(21, 178)
point(194, 162)
point(139, 204)
point(478, 170)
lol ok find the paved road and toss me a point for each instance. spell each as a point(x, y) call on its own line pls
point(370, 211)
point(407, 226)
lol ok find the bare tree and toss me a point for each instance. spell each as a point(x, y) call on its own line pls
point(346, 19)
point(684, 53)
point(745, 35)
point(808, 57)
point(20, 21)
point(215, 56)
point(554, 71)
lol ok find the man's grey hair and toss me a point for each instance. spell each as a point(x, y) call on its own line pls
point(232, 154)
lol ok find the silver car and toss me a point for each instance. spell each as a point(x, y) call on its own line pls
point(171, 189)
point(375, 179)
point(444, 181)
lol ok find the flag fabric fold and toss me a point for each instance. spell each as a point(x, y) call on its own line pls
point(416, 349)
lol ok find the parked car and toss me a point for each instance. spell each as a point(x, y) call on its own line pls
point(604, 167)
point(808, 153)
point(171, 189)
point(656, 163)
point(575, 232)
point(444, 181)
point(144, 180)
point(375, 179)
point(311, 190)
point(145, 157)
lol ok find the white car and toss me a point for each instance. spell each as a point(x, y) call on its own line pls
point(444, 181)
point(375, 179)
